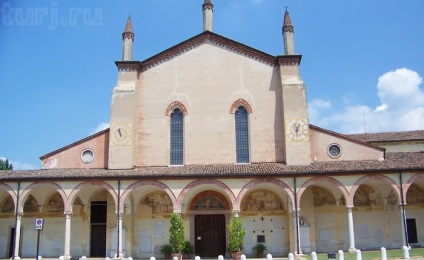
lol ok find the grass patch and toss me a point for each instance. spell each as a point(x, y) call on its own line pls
point(375, 255)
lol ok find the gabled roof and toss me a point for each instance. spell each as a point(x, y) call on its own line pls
point(391, 136)
point(187, 45)
point(395, 162)
point(350, 138)
point(75, 144)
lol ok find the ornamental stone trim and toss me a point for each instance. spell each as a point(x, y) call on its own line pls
point(193, 184)
point(128, 35)
point(203, 38)
point(255, 182)
point(173, 105)
point(127, 66)
point(240, 102)
point(288, 29)
point(138, 184)
point(207, 6)
point(289, 60)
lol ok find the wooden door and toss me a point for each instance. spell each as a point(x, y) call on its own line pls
point(210, 235)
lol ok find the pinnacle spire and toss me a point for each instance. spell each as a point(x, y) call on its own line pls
point(207, 8)
point(287, 25)
point(128, 32)
point(288, 34)
point(127, 40)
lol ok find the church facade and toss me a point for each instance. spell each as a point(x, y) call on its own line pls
point(208, 129)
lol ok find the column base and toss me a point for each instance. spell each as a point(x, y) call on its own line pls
point(351, 250)
point(299, 254)
point(16, 258)
point(119, 256)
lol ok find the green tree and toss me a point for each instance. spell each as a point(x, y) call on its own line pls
point(5, 165)
point(236, 233)
point(176, 233)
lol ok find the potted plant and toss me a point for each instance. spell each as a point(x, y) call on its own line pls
point(166, 250)
point(236, 234)
point(176, 235)
point(260, 249)
point(188, 250)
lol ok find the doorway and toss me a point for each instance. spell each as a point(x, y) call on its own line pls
point(411, 226)
point(98, 228)
point(210, 235)
point(12, 242)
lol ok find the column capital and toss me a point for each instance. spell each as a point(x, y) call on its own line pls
point(178, 212)
point(120, 213)
point(236, 213)
point(296, 211)
point(19, 214)
point(68, 212)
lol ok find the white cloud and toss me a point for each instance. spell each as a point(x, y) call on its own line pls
point(381, 107)
point(316, 107)
point(17, 165)
point(100, 127)
point(401, 107)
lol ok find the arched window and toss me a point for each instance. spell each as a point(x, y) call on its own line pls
point(177, 142)
point(242, 135)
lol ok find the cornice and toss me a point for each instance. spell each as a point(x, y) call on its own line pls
point(212, 38)
point(289, 60)
point(128, 66)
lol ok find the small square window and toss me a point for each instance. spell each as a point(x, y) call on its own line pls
point(261, 239)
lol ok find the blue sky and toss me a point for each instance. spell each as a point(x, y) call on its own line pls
point(361, 59)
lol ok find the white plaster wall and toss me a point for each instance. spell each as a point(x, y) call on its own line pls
point(369, 225)
point(80, 233)
point(145, 228)
point(6, 224)
point(326, 235)
point(275, 228)
point(207, 81)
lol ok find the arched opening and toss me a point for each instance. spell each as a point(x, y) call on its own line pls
point(209, 210)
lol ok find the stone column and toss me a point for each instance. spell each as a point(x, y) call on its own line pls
point(67, 247)
point(352, 248)
point(297, 233)
point(403, 224)
point(119, 252)
point(17, 235)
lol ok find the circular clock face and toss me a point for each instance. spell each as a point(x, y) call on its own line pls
point(297, 129)
point(120, 134)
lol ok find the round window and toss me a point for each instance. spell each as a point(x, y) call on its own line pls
point(334, 150)
point(87, 156)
